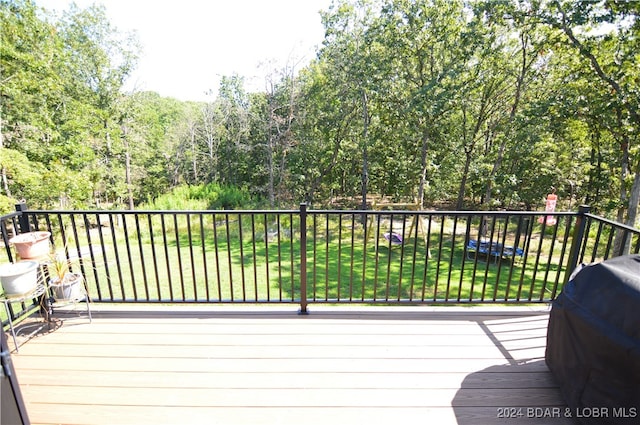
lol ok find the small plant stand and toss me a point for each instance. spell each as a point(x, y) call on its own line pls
point(37, 293)
point(52, 303)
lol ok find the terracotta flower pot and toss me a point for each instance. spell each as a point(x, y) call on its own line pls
point(31, 245)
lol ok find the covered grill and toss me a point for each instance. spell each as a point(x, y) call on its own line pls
point(593, 342)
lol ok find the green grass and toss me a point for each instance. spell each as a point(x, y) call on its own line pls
point(232, 257)
point(199, 262)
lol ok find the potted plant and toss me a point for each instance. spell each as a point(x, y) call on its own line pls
point(65, 284)
point(19, 278)
point(31, 245)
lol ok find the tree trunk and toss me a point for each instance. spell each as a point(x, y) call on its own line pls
point(624, 168)
point(127, 160)
point(494, 171)
point(194, 156)
point(634, 200)
point(3, 171)
point(127, 164)
point(463, 182)
point(520, 82)
point(365, 159)
point(423, 169)
point(5, 182)
point(270, 142)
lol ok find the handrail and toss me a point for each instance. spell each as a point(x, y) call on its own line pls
point(308, 256)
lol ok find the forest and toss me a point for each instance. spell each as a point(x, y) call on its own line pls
point(458, 104)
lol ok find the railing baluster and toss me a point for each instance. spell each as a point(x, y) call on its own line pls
point(314, 263)
point(436, 281)
point(596, 243)
point(465, 258)
point(194, 281)
point(389, 255)
point(339, 256)
point(416, 220)
point(154, 257)
point(451, 257)
point(353, 235)
point(166, 257)
point(228, 238)
point(563, 253)
point(241, 245)
point(5, 240)
point(105, 262)
point(176, 235)
point(92, 258)
point(116, 253)
point(217, 255)
point(501, 238)
point(255, 266)
point(534, 274)
point(203, 248)
point(377, 257)
point(483, 230)
point(577, 240)
point(127, 245)
point(143, 267)
point(303, 258)
point(279, 235)
point(585, 240)
point(512, 257)
point(363, 286)
point(549, 259)
point(608, 249)
point(427, 256)
point(326, 258)
point(266, 257)
point(400, 271)
point(292, 260)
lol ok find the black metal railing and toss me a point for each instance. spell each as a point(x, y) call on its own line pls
point(325, 256)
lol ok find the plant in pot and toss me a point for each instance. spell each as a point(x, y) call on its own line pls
point(65, 284)
point(19, 278)
point(31, 245)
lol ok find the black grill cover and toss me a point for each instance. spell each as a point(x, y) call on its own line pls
point(593, 342)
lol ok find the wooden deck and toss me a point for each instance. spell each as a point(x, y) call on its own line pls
point(256, 365)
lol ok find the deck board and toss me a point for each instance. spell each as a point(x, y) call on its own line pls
point(371, 365)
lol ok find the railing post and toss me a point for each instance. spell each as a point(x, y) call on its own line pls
point(303, 259)
point(576, 241)
point(23, 219)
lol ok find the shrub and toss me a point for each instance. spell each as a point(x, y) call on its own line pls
point(212, 196)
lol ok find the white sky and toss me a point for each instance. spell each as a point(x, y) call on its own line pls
point(189, 44)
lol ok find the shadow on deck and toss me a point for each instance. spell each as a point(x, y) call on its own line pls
point(231, 365)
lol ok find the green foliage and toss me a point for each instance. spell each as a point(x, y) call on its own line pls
point(223, 197)
point(201, 197)
point(7, 205)
point(478, 103)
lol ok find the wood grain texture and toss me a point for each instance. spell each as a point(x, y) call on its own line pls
point(158, 365)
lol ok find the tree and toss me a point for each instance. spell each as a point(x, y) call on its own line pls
point(428, 48)
point(611, 54)
point(29, 84)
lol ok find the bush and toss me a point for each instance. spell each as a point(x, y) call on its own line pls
point(230, 197)
point(7, 205)
point(211, 196)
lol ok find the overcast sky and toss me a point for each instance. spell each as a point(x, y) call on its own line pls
point(188, 44)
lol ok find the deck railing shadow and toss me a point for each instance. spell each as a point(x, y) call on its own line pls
point(519, 387)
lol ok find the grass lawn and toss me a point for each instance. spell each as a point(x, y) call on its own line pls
point(203, 261)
